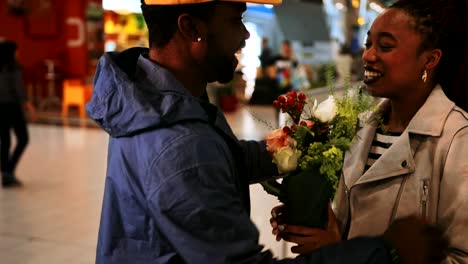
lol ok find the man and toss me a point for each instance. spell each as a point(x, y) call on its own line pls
point(286, 65)
point(13, 102)
point(177, 180)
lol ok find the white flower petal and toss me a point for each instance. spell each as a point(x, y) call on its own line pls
point(286, 159)
point(326, 110)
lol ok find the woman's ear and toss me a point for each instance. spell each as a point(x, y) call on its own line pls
point(190, 27)
point(432, 58)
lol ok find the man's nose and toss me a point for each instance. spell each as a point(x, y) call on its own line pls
point(246, 33)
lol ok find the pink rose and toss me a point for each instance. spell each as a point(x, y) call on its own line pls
point(277, 139)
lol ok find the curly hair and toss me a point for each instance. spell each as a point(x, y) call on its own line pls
point(440, 24)
point(161, 20)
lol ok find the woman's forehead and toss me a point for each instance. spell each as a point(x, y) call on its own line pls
point(392, 20)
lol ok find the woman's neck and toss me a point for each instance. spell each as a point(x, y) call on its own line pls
point(402, 110)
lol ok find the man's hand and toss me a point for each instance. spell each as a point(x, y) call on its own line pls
point(416, 242)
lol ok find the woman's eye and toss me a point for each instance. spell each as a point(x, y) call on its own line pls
point(384, 47)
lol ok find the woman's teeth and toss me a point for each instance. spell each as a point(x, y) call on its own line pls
point(370, 75)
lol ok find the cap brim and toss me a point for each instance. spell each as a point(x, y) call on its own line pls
point(268, 2)
point(186, 2)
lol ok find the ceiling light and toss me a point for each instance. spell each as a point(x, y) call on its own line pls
point(339, 6)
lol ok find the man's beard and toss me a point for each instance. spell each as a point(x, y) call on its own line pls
point(222, 67)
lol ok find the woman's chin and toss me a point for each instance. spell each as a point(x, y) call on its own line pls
point(371, 90)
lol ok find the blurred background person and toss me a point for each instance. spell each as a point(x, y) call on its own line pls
point(344, 62)
point(266, 54)
point(285, 65)
point(266, 85)
point(12, 101)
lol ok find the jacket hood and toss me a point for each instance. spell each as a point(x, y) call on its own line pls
point(132, 94)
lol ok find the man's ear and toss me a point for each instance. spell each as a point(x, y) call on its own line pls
point(432, 58)
point(190, 27)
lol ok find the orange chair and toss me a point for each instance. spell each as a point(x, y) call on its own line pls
point(75, 93)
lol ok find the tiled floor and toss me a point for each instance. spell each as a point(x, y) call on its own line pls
point(54, 218)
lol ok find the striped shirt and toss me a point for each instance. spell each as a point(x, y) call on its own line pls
point(382, 141)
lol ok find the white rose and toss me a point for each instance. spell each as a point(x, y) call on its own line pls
point(286, 159)
point(326, 110)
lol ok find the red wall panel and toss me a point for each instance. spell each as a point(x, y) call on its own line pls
point(48, 30)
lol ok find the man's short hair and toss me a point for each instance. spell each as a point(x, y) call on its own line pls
point(184, 2)
point(161, 15)
point(161, 20)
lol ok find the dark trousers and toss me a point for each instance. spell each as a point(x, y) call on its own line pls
point(12, 117)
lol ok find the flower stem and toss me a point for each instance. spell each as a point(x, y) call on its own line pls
point(271, 187)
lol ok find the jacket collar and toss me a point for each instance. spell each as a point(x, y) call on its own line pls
point(430, 119)
point(133, 94)
point(399, 158)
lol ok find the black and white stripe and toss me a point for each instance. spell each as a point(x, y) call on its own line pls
point(382, 141)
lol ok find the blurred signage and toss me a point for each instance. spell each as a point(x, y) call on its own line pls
point(18, 7)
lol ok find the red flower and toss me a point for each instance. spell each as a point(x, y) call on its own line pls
point(276, 104)
point(302, 97)
point(293, 94)
point(299, 107)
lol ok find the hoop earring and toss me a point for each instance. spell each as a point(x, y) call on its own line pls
point(424, 76)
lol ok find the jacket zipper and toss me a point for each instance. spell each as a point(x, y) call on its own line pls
point(348, 216)
point(425, 194)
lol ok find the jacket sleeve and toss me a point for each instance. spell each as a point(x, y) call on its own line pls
point(258, 162)
point(198, 209)
point(453, 200)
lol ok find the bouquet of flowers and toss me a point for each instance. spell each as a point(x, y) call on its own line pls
point(309, 153)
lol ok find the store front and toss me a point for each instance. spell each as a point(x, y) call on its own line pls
point(56, 40)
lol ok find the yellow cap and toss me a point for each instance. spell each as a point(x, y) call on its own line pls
point(183, 2)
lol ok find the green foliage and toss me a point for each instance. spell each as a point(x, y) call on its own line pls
point(301, 135)
point(323, 146)
point(332, 163)
point(313, 156)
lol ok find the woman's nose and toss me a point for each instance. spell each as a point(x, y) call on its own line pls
point(369, 55)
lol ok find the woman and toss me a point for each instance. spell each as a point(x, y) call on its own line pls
point(12, 100)
point(414, 162)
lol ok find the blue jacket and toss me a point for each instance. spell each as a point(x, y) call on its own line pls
point(177, 178)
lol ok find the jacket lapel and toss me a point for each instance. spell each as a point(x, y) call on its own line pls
point(356, 157)
point(397, 160)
